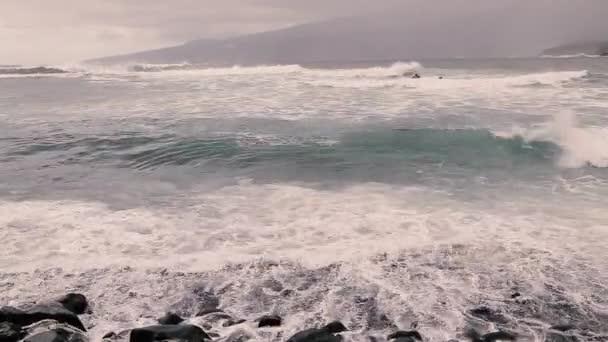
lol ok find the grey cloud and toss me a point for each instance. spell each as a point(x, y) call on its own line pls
point(89, 28)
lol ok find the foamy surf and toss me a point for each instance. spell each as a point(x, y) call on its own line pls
point(580, 146)
point(375, 257)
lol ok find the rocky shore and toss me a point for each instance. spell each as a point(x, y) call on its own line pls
point(267, 301)
point(57, 321)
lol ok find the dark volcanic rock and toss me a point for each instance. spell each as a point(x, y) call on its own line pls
point(269, 321)
point(109, 336)
point(120, 336)
point(515, 295)
point(286, 293)
point(498, 336)
point(559, 337)
point(75, 302)
point(487, 314)
point(63, 310)
point(10, 332)
point(170, 318)
point(232, 322)
point(207, 311)
point(326, 334)
point(491, 337)
point(52, 331)
point(405, 336)
point(186, 332)
point(39, 312)
point(47, 336)
point(563, 327)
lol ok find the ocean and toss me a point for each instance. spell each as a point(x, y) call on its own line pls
point(475, 196)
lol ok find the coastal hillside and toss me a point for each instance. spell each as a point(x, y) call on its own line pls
point(595, 48)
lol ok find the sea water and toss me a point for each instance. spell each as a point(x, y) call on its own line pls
point(334, 191)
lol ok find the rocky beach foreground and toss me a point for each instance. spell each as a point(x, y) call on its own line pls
point(158, 305)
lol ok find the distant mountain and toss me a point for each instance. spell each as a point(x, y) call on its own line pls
point(594, 48)
point(489, 29)
point(345, 39)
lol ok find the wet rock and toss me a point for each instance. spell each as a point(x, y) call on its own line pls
point(286, 293)
point(498, 336)
point(185, 332)
point(487, 314)
point(170, 318)
point(109, 336)
point(10, 332)
point(63, 310)
point(405, 336)
point(269, 321)
point(328, 333)
point(77, 303)
point(560, 337)
point(563, 327)
point(47, 336)
point(53, 331)
point(120, 336)
point(232, 322)
point(205, 312)
point(39, 312)
point(491, 337)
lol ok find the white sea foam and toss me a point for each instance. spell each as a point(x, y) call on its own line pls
point(243, 222)
point(406, 253)
point(576, 55)
point(580, 145)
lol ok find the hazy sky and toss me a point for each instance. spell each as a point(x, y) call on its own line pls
point(55, 31)
point(64, 31)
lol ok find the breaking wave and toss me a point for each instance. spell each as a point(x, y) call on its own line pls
point(395, 70)
point(469, 148)
point(161, 67)
point(577, 55)
point(21, 71)
point(30, 71)
point(437, 82)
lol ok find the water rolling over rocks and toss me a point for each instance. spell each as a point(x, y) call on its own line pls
point(253, 310)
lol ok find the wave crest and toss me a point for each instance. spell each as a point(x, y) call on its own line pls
point(395, 70)
point(31, 70)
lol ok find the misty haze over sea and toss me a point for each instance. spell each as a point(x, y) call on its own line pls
point(400, 165)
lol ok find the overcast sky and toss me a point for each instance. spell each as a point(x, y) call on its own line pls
point(64, 31)
point(57, 31)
